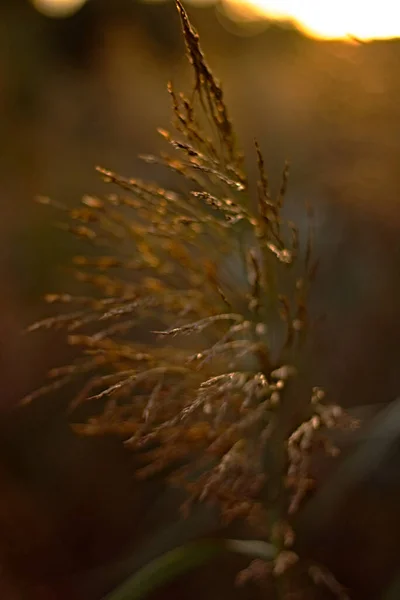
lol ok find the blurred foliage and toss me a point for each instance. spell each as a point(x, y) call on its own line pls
point(91, 90)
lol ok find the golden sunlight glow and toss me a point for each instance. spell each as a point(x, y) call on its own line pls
point(326, 19)
point(58, 8)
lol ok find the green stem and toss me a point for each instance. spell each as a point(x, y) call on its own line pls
point(169, 566)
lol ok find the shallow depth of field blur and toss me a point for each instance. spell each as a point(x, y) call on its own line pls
point(87, 88)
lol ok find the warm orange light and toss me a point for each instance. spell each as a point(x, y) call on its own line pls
point(327, 19)
point(58, 8)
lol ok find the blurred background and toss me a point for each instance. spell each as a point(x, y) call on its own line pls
point(84, 84)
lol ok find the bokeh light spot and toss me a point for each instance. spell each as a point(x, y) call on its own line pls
point(58, 8)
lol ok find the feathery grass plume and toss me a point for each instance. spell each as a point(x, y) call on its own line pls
point(204, 398)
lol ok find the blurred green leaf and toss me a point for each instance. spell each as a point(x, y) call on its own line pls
point(170, 565)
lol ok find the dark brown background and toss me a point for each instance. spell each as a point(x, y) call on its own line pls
point(91, 90)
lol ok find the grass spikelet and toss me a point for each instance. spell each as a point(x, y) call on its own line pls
point(204, 394)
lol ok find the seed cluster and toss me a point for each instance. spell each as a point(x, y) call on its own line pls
point(203, 399)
